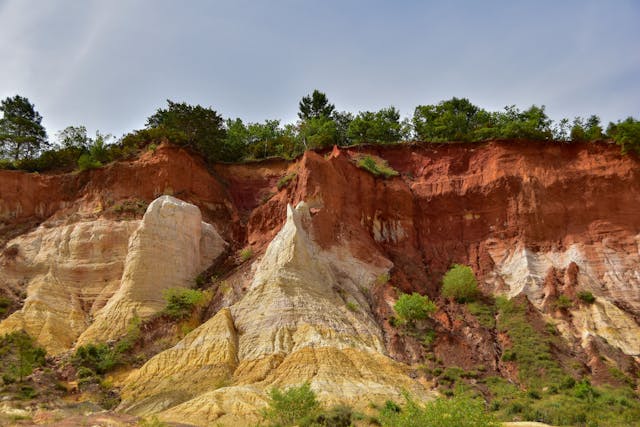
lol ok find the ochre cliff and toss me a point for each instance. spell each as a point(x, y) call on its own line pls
point(331, 246)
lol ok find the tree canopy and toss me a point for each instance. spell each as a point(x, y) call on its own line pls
point(21, 132)
point(315, 106)
point(24, 145)
point(197, 127)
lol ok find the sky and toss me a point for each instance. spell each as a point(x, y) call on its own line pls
point(110, 64)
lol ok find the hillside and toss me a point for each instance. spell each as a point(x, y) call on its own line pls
point(300, 264)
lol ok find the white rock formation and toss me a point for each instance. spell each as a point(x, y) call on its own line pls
point(305, 317)
point(169, 249)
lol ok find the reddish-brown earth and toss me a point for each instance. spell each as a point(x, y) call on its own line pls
point(451, 203)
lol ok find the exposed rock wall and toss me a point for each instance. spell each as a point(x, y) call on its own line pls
point(305, 317)
point(67, 273)
point(86, 281)
point(168, 250)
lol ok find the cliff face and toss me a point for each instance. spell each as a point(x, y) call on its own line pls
point(534, 221)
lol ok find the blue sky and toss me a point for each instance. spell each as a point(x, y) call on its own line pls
point(110, 64)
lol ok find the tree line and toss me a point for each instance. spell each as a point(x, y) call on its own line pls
point(24, 143)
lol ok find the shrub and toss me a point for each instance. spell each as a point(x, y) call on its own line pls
point(460, 284)
point(454, 412)
point(180, 302)
point(586, 297)
point(99, 358)
point(377, 167)
point(414, 307)
point(86, 162)
point(292, 406)
point(563, 302)
point(338, 416)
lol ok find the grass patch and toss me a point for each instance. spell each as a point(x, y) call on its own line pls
point(246, 254)
point(285, 180)
point(376, 166)
point(531, 350)
point(485, 313)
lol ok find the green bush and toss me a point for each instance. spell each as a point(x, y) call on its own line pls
point(586, 297)
point(414, 307)
point(180, 302)
point(86, 162)
point(377, 167)
point(454, 412)
point(564, 302)
point(99, 358)
point(460, 284)
point(295, 405)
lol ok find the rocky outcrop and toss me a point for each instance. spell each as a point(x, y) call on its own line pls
point(541, 221)
point(67, 273)
point(305, 317)
point(85, 281)
point(168, 250)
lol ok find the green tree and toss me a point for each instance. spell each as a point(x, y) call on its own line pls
point(383, 126)
point(410, 308)
point(197, 127)
point(342, 120)
point(315, 106)
point(593, 129)
point(21, 132)
point(318, 132)
point(19, 355)
point(74, 137)
point(578, 133)
point(626, 134)
point(561, 130)
point(97, 153)
point(456, 119)
point(531, 124)
point(460, 284)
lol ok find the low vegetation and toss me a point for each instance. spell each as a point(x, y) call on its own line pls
point(458, 411)
point(285, 180)
point(181, 302)
point(293, 406)
point(410, 308)
point(376, 166)
point(460, 284)
point(586, 297)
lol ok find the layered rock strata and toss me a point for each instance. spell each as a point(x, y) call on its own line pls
point(305, 317)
